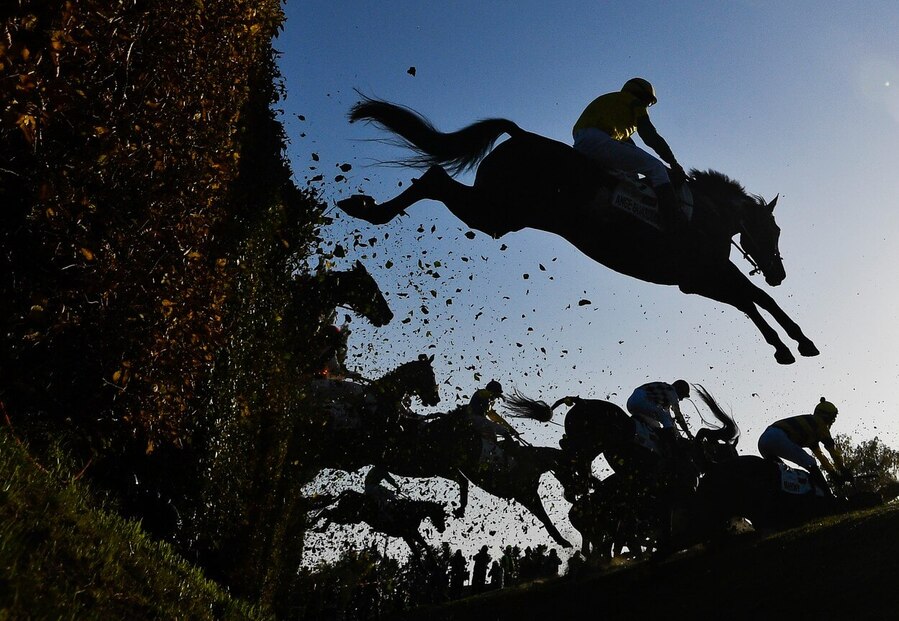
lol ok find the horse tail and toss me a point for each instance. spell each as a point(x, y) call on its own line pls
point(729, 432)
point(523, 407)
point(458, 151)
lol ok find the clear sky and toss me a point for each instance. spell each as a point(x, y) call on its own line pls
point(798, 98)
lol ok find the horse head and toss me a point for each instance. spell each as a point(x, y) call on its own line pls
point(760, 237)
point(371, 303)
point(423, 382)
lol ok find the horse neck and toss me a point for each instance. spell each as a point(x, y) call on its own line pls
point(723, 219)
point(393, 384)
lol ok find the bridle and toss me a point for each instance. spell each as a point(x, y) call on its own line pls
point(755, 266)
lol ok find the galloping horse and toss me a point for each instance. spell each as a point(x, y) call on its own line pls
point(321, 345)
point(400, 518)
point(747, 486)
point(354, 288)
point(448, 448)
point(532, 181)
point(632, 505)
point(355, 420)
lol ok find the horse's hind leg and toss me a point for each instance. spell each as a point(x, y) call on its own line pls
point(434, 184)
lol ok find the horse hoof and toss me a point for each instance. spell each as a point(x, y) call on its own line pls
point(784, 356)
point(807, 348)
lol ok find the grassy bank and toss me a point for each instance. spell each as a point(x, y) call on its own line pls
point(61, 557)
point(840, 568)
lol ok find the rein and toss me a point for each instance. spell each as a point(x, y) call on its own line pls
point(755, 266)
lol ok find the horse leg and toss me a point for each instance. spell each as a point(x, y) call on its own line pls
point(434, 184)
point(533, 504)
point(805, 345)
point(736, 290)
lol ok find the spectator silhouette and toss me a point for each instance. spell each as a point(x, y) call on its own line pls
point(458, 574)
point(551, 564)
point(479, 572)
point(497, 576)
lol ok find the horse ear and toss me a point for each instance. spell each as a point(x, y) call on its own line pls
point(358, 264)
point(431, 358)
point(772, 204)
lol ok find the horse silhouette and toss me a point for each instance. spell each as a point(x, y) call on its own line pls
point(444, 446)
point(632, 507)
point(532, 181)
point(400, 517)
point(449, 448)
point(354, 288)
point(750, 487)
point(351, 421)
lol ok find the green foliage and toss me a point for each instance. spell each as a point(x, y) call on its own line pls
point(62, 558)
point(121, 138)
point(872, 462)
point(149, 233)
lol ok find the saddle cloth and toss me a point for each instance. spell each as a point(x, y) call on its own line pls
point(794, 481)
point(637, 199)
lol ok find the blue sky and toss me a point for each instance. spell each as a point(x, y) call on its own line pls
point(799, 98)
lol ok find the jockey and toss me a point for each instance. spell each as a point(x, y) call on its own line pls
point(379, 495)
point(788, 438)
point(604, 134)
point(653, 403)
point(484, 418)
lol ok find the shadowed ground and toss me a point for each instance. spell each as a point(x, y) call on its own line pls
point(840, 568)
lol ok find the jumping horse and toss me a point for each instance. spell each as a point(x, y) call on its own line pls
point(446, 447)
point(354, 421)
point(532, 181)
point(631, 507)
point(399, 518)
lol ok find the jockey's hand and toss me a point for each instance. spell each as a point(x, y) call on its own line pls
point(677, 174)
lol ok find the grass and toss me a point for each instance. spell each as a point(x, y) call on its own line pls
point(843, 567)
point(63, 558)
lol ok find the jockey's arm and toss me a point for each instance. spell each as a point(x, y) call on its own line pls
point(679, 418)
point(816, 449)
point(837, 456)
point(654, 141)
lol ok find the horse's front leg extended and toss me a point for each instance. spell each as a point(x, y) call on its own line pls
point(765, 301)
point(535, 506)
point(733, 288)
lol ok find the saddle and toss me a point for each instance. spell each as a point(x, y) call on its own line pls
point(636, 198)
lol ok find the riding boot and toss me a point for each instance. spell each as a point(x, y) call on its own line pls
point(818, 480)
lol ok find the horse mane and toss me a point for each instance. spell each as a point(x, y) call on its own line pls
point(717, 183)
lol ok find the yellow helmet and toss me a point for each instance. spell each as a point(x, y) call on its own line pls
point(641, 88)
point(826, 408)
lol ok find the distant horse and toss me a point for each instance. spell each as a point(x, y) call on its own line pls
point(594, 427)
point(353, 421)
point(311, 311)
point(760, 491)
point(399, 518)
point(354, 288)
point(753, 488)
point(448, 448)
point(634, 503)
point(532, 181)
